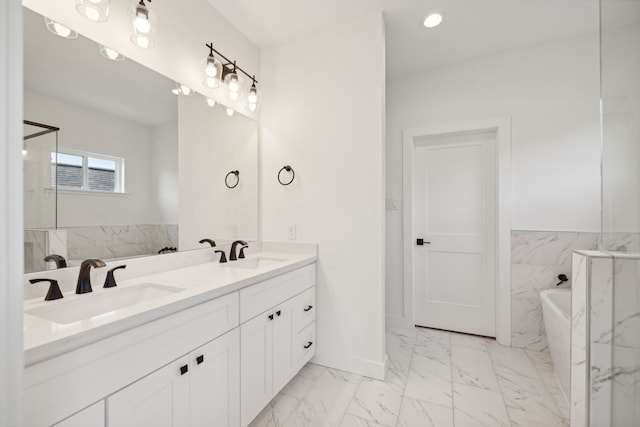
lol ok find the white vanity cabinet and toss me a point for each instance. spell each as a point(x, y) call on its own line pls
point(269, 341)
point(197, 390)
point(93, 416)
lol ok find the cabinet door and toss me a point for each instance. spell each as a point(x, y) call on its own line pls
point(256, 365)
point(160, 399)
point(93, 416)
point(284, 333)
point(215, 382)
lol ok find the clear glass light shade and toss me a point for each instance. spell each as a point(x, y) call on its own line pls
point(230, 111)
point(181, 89)
point(111, 54)
point(231, 80)
point(142, 27)
point(94, 10)
point(253, 95)
point(59, 29)
point(211, 102)
point(213, 67)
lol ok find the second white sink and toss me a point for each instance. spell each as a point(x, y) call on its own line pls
point(87, 306)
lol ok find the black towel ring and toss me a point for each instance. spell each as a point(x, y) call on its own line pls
point(226, 179)
point(288, 169)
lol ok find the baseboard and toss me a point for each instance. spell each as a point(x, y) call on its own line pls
point(397, 322)
point(355, 365)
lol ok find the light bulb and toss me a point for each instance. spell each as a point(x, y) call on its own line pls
point(142, 23)
point(230, 111)
point(92, 14)
point(211, 82)
point(253, 107)
point(253, 95)
point(233, 84)
point(61, 30)
point(175, 91)
point(111, 54)
point(94, 10)
point(433, 20)
point(211, 69)
point(141, 41)
point(211, 102)
point(185, 90)
point(24, 151)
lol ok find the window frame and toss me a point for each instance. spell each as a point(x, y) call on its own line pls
point(119, 171)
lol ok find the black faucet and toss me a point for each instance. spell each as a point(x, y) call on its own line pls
point(58, 259)
point(110, 281)
point(209, 241)
point(232, 252)
point(84, 279)
point(54, 290)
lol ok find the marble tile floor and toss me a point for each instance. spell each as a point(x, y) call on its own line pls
point(434, 378)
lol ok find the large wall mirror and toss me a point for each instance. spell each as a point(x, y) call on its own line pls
point(134, 169)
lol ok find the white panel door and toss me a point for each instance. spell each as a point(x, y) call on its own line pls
point(215, 382)
point(93, 416)
point(454, 212)
point(160, 399)
point(256, 365)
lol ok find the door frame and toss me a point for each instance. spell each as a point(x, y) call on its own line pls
point(502, 127)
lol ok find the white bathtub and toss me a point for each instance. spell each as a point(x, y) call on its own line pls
point(556, 311)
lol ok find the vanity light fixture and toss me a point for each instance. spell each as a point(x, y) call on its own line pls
point(211, 102)
point(94, 10)
point(111, 54)
point(228, 72)
point(59, 29)
point(142, 26)
point(433, 20)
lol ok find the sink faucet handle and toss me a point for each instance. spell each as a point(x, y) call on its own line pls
point(223, 256)
point(54, 290)
point(209, 241)
point(242, 251)
point(58, 259)
point(110, 281)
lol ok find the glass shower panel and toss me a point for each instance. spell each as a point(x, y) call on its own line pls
point(620, 97)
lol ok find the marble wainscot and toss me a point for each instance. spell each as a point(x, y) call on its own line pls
point(537, 258)
point(40, 243)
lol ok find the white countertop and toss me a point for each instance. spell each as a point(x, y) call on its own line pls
point(44, 339)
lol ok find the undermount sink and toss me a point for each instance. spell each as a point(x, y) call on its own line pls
point(254, 263)
point(93, 305)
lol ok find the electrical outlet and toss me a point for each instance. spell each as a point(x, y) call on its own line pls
point(292, 232)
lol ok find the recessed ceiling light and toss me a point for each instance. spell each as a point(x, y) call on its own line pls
point(433, 20)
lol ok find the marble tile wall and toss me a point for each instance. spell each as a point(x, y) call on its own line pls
point(118, 241)
point(537, 258)
point(40, 243)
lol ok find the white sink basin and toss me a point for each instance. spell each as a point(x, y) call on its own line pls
point(91, 305)
point(254, 263)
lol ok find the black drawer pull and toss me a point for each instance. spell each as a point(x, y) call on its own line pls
point(307, 308)
point(278, 313)
point(200, 359)
point(309, 344)
point(271, 316)
point(184, 369)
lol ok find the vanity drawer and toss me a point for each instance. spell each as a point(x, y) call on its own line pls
point(305, 309)
point(305, 345)
point(261, 297)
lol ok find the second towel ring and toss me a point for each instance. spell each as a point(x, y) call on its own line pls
point(288, 169)
point(226, 179)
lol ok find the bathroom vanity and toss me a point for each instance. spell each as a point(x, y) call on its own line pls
point(205, 344)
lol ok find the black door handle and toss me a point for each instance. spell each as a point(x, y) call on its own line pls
point(200, 359)
point(184, 369)
point(309, 344)
point(421, 242)
point(309, 307)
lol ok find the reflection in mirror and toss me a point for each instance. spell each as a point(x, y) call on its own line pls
point(115, 167)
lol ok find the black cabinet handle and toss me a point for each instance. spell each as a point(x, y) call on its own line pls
point(422, 242)
point(278, 313)
point(200, 359)
point(184, 369)
point(307, 308)
point(271, 316)
point(309, 344)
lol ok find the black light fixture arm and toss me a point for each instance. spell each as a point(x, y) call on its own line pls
point(230, 62)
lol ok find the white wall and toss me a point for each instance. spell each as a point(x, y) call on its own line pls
point(551, 94)
point(183, 29)
point(211, 145)
point(164, 174)
point(11, 235)
point(323, 114)
point(93, 131)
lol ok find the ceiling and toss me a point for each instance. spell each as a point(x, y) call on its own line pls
point(473, 28)
point(74, 71)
